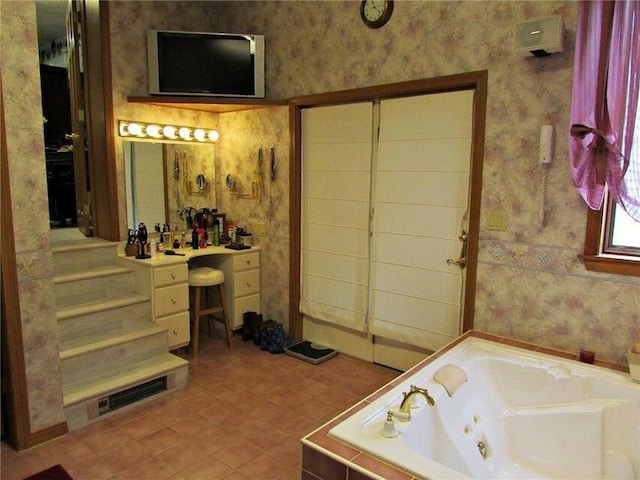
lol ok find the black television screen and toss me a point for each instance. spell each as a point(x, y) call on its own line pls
point(193, 63)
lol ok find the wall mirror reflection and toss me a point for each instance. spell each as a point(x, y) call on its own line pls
point(162, 180)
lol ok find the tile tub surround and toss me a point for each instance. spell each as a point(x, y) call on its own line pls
point(325, 458)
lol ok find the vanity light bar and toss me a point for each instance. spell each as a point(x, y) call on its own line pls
point(156, 131)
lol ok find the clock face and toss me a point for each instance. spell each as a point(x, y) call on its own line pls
point(375, 13)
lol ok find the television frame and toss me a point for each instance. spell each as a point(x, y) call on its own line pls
point(154, 73)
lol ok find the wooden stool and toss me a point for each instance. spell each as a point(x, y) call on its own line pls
point(201, 278)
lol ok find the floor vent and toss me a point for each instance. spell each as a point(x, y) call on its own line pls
point(129, 396)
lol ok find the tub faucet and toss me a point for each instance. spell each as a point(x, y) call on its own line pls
point(405, 406)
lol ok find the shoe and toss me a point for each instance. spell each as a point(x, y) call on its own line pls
point(247, 326)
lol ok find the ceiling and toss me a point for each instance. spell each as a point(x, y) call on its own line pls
point(51, 15)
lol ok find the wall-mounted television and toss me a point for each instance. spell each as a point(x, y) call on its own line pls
point(205, 64)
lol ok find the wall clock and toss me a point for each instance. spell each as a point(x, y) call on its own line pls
point(375, 13)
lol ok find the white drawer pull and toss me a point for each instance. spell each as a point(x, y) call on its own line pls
point(174, 300)
point(175, 332)
point(173, 275)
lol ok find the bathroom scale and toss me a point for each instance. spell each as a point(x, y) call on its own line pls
point(310, 352)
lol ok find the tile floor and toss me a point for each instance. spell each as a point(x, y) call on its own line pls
point(241, 417)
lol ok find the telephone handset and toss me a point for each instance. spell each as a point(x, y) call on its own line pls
point(545, 157)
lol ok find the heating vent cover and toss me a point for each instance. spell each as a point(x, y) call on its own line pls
point(102, 405)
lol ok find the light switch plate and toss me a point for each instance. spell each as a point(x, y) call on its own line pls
point(260, 228)
point(496, 220)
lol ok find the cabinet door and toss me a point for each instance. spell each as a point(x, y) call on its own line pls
point(170, 275)
point(246, 283)
point(246, 261)
point(168, 300)
point(242, 305)
point(177, 329)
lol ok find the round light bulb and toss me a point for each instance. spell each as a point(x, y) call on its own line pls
point(184, 133)
point(214, 135)
point(169, 131)
point(154, 131)
point(135, 129)
point(199, 135)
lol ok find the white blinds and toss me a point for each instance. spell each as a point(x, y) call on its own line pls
point(391, 277)
point(420, 201)
point(336, 172)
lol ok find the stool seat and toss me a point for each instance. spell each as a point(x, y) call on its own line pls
point(205, 277)
point(201, 278)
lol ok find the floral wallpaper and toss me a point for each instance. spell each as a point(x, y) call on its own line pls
point(244, 134)
point(182, 191)
point(129, 22)
point(241, 135)
point(531, 285)
point(28, 180)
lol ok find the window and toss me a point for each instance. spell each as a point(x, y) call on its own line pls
point(604, 126)
point(612, 242)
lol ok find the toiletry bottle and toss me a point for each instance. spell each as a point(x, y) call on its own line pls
point(194, 238)
point(216, 232)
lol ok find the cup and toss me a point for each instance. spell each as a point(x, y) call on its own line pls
point(587, 356)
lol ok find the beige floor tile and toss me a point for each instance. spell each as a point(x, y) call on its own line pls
point(240, 418)
point(148, 469)
point(94, 469)
point(161, 440)
point(126, 456)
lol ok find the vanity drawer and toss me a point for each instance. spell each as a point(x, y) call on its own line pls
point(247, 260)
point(177, 329)
point(171, 274)
point(169, 300)
point(246, 283)
point(244, 304)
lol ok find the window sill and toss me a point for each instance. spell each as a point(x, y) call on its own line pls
point(612, 264)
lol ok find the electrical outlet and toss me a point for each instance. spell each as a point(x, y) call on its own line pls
point(260, 228)
point(496, 220)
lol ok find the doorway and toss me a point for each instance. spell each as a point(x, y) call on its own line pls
point(475, 81)
point(56, 109)
point(91, 116)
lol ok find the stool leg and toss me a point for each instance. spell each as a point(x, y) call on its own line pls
point(196, 324)
point(210, 318)
point(223, 300)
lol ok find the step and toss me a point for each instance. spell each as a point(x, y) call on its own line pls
point(83, 255)
point(131, 374)
point(95, 317)
point(93, 286)
point(91, 307)
point(84, 402)
point(90, 274)
point(94, 361)
point(104, 340)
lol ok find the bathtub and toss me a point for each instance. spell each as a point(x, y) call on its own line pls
point(520, 415)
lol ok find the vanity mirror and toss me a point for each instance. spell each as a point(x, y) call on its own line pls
point(163, 178)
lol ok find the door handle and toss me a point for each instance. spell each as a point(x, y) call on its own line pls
point(71, 136)
point(462, 261)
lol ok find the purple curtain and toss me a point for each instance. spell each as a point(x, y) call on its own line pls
point(605, 103)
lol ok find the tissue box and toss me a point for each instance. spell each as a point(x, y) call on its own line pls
point(634, 365)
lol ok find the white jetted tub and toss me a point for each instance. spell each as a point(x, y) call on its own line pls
point(519, 415)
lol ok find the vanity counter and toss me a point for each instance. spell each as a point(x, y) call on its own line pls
point(160, 258)
point(165, 279)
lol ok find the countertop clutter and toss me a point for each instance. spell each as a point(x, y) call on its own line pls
point(183, 255)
